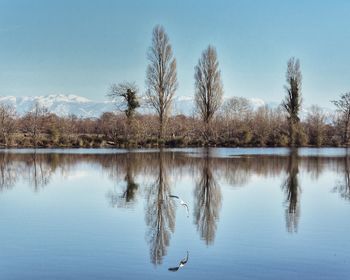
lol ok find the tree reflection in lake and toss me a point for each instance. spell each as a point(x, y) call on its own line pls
point(343, 186)
point(207, 196)
point(160, 213)
point(292, 190)
point(72, 211)
point(235, 171)
point(8, 172)
point(38, 170)
point(127, 198)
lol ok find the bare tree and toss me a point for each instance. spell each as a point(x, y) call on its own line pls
point(124, 95)
point(315, 125)
point(292, 101)
point(261, 126)
point(33, 122)
point(7, 122)
point(235, 114)
point(343, 107)
point(208, 86)
point(161, 77)
point(237, 108)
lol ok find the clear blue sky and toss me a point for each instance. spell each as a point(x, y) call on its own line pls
point(81, 47)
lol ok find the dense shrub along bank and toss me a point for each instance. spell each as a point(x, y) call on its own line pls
point(232, 127)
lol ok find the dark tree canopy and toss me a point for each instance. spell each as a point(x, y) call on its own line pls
point(292, 101)
point(125, 96)
point(292, 190)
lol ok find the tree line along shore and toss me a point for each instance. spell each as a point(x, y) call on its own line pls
point(230, 123)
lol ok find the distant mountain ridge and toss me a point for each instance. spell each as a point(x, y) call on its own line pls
point(61, 105)
point(65, 105)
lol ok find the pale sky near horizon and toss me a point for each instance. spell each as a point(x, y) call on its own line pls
point(81, 47)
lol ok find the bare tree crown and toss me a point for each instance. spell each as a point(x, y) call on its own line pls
point(208, 84)
point(161, 77)
point(343, 107)
point(343, 104)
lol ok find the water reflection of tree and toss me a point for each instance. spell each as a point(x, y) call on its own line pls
point(8, 172)
point(207, 195)
point(236, 171)
point(292, 190)
point(160, 214)
point(127, 198)
point(343, 187)
point(314, 166)
point(38, 170)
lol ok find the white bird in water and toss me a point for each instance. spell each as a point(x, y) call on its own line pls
point(183, 203)
point(181, 264)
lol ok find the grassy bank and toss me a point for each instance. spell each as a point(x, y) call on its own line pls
point(23, 140)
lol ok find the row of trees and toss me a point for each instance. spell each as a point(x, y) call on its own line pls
point(237, 123)
point(230, 123)
point(161, 82)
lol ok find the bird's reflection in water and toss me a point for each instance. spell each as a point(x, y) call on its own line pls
point(207, 195)
point(292, 191)
point(181, 264)
point(182, 203)
point(160, 213)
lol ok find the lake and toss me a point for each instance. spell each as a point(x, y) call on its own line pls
point(219, 213)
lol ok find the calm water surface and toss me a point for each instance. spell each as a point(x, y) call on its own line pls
point(111, 214)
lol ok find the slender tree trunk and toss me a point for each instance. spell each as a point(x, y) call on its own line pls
point(128, 128)
point(207, 132)
point(292, 133)
point(161, 126)
point(161, 132)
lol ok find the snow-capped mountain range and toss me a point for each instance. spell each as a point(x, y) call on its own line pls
point(62, 105)
point(65, 105)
